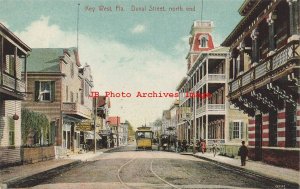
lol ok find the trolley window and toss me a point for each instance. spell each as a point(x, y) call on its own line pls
point(142, 134)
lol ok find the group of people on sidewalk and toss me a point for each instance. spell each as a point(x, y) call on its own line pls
point(201, 147)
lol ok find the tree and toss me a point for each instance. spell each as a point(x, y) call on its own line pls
point(131, 132)
point(35, 123)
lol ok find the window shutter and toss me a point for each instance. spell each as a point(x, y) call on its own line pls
point(37, 90)
point(242, 130)
point(52, 91)
point(230, 130)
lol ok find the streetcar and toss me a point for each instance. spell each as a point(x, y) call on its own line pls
point(143, 137)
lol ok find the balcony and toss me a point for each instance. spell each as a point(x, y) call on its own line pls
point(211, 108)
point(11, 88)
point(216, 78)
point(273, 66)
point(216, 107)
point(76, 110)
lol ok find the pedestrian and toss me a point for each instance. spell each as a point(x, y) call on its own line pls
point(203, 146)
point(215, 147)
point(243, 152)
point(176, 145)
point(184, 145)
point(179, 146)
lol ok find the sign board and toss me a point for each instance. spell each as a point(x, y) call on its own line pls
point(84, 126)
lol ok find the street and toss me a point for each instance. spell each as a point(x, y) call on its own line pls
point(127, 168)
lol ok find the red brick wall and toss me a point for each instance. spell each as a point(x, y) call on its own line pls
point(251, 132)
point(265, 130)
point(280, 126)
point(282, 158)
point(278, 157)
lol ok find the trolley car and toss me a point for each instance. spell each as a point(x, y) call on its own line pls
point(144, 137)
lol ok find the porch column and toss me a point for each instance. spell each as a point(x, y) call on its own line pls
point(25, 72)
point(254, 36)
point(294, 16)
point(15, 66)
point(241, 56)
point(1, 60)
point(270, 21)
point(206, 129)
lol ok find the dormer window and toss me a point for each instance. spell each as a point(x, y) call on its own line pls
point(203, 41)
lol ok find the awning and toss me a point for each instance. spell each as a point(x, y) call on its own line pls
point(90, 135)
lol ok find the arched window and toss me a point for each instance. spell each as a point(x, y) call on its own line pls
point(203, 41)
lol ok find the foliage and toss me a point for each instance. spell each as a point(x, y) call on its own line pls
point(131, 132)
point(33, 122)
point(158, 123)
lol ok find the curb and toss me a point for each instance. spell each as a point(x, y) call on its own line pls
point(35, 179)
point(277, 181)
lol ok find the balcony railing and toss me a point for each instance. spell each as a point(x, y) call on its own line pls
point(10, 82)
point(216, 107)
point(210, 107)
point(216, 77)
point(76, 109)
point(278, 59)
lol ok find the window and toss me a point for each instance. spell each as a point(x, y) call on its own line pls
point(72, 96)
point(203, 41)
point(67, 93)
point(11, 126)
point(10, 64)
point(72, 69)
point(237, 130)
point(44, 91)
point(86, 89)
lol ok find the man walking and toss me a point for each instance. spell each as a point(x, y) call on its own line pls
point(243, 152)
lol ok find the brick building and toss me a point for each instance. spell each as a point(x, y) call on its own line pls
point(264, 73)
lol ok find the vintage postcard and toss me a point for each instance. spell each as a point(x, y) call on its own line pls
point(149, 94)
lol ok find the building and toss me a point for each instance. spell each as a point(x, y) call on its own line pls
point(59, 87)
point(124, 140)
point(13, 56)
point(165, 122)
point(264, 73)
point(203, 109)
point(173, 118)
point(103, 106)
point(116, 131)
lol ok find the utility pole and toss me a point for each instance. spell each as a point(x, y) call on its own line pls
point(194, 122)
point(117, 131)
point(95, 117)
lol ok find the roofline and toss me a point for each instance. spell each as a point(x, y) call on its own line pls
point(227, 42)
point(182, 82)
point(13, 36)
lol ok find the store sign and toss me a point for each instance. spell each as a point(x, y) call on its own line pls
point(84, 126)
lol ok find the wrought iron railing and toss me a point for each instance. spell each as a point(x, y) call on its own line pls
point(278, 59)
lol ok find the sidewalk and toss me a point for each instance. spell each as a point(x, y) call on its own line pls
point(258, 167)
point(15, 174)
